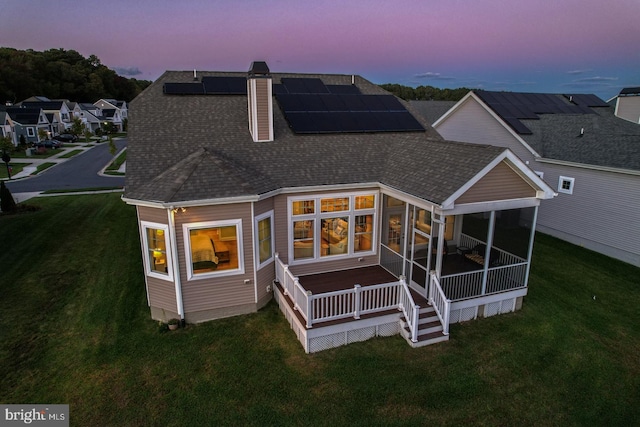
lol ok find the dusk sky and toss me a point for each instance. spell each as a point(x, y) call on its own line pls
point(560, 46)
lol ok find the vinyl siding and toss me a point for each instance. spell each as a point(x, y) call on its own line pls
point(162, 293)
point(227, 291)
point(266, 275)
point(501, 183)
point(602, 214)
point(628, 108)
point(262, 102)
point(472, 123)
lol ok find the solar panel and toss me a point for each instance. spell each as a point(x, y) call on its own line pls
point(290, 102)
point(225, 85)
point(333, 103)
point(344, 89)
point(279, 89)
point(373, 103)
point(192, 88)
point(304, 85)
point(586, 100)
point(353, 102)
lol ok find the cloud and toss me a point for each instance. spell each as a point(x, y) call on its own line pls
point(433, 76)
point(131, 71)
point(578, 71)
point(596, 80)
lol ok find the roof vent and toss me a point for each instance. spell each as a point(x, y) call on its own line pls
point(195, 75)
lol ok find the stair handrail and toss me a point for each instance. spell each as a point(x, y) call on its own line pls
point(410, 309)
point(440, 303)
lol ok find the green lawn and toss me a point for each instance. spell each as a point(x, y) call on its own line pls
point(75, 329)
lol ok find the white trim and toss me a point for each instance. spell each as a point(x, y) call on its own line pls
point(561, 180)
point(31, 131)
point(543, 191)
point(588, 166)
point(211, 224)
point(256, 221)
point(144, 225)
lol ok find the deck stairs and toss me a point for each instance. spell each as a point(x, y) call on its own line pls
point(429, 328)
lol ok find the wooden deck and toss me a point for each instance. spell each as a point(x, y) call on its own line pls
point(346, 279)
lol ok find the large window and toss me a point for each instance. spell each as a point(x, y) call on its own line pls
point(156, 246)
point(328, 226)
point(214, 248)
point(264, 238)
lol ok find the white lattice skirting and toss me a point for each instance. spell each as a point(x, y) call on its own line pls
point(323, 338)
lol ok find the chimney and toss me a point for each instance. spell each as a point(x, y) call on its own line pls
point(260, 99)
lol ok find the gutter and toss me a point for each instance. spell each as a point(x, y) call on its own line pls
point(587, 166)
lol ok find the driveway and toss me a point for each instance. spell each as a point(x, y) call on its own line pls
point(82, 171)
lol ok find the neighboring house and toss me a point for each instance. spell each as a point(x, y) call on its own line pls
point(578, 145)
point(58, 108)
point(26, 122)
point(88, 115)
point(113, 111)
point(5, 124)
point(627, 104)
point(328, 194)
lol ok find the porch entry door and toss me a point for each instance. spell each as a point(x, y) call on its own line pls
point(394, 231)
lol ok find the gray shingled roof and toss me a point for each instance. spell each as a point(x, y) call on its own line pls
point(188, 148)
point(432, 110)
point(607, 140)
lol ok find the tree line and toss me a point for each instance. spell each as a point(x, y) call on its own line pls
point(425, 93)
point(61, 74)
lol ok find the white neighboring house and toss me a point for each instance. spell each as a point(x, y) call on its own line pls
point(628, 104)
point(113, 111)
point(88, 115)
point(578, 146)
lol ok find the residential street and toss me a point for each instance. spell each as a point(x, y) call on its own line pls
point(82, 171)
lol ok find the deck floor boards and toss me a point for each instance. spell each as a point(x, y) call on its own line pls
point(346, 279)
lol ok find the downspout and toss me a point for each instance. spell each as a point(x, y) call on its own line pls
point(176, 269)
point(530, 251)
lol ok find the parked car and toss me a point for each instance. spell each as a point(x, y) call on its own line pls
point(48, 143)
point(66, 137)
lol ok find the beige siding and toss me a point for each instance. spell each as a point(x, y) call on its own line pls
point(262, 103)
point(153, 215)
point(214, 293)
point(266, 275)
point(501, 183)
point(162, 293)
point(628, 108)
point(472, 123)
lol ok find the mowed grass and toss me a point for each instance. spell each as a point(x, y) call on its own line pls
point(75, 329)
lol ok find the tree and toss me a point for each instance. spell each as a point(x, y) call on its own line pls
point(7, 204)
point(42, 134)
point(77, 127)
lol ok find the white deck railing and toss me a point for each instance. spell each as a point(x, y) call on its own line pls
point(348, 302)
point(441, 304)
point(509, 274)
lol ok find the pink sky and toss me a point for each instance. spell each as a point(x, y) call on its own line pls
point(537, 46)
